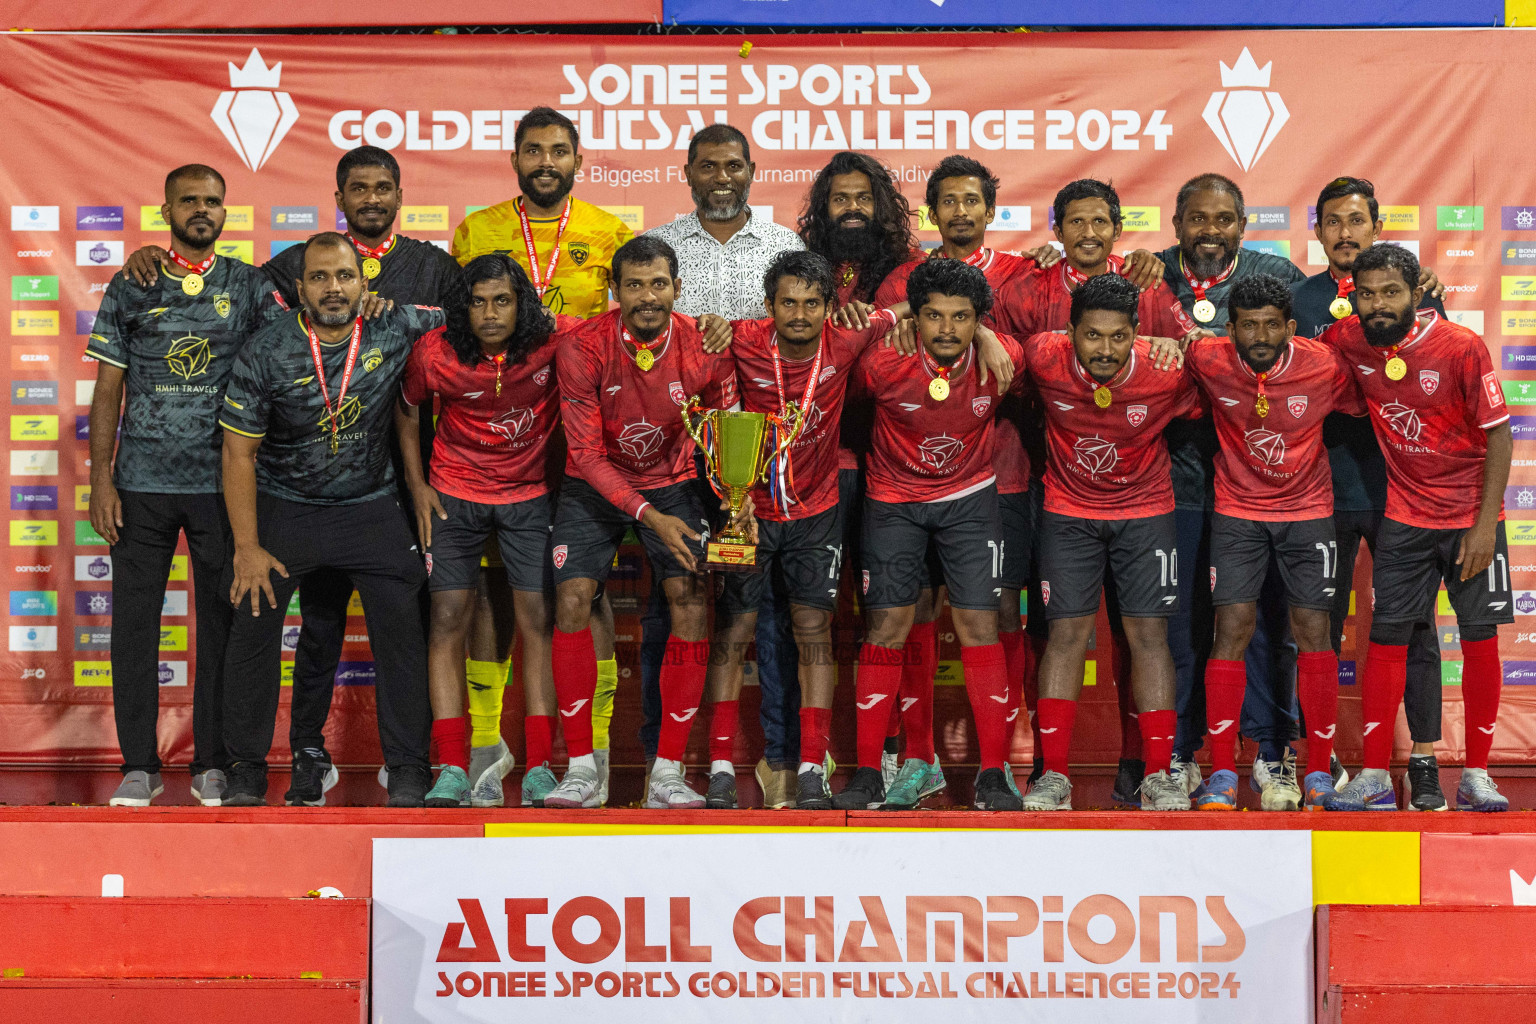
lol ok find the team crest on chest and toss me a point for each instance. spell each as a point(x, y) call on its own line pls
point(221, 305)
point(979, 406)
point(372, 359)
point(1137, 414)
point(826, 374)
point(675, 389)
point(1297, 404)
point(541, 377)
point(1429, 380)
point(579, 252)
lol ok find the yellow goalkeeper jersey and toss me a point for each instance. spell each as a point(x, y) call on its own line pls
point(592, 236)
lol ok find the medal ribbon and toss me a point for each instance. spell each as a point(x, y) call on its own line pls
point(782, 477)
point(1198, 286)
point(1392, 351)
point(943, 372)
point(1075, 277)
point(1346, 285)
point(541, 284)
point(346, 373)
point(1261, 403)
point(187, 265)
point(376, 253)
point(498, 360)
point(660, 339)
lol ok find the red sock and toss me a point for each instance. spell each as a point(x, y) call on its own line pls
point(1386, 676)
point(1120, 665)
point(722, 729)
point(575, 667)
point(1016, 657)
point(451, 737)
point(1036, 650)
point(1482, 676)
point(986, 683)
point(878, 680)
point(815, 724)
point(539, 732)
point(917, 671)
point(682, 689)
point(1317, 684)
point(1056, 717)
point(1157, 728)
point(1224, 684)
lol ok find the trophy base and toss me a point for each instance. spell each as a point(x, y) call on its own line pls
point(729, 556)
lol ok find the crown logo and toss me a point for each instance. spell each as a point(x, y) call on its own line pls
point(1243, 74)
point(253, 115)
point(256, 74)
point(1245, 117)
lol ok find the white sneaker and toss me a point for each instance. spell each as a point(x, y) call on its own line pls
point(1275, 782)
point(890, 764)
point(601, 757)
point(668, 790)
point(1052, 791)
point(1186, 774)
point(577, 789)
point(488, 765)
point(1160, 791)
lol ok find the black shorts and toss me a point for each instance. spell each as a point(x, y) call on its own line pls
point(588, 529)
point(966, 532)
point(1304, 550)
point(1018, 539)
point(520, 531)
point(1410, 563)
point(1141, 553)
point(804, 555)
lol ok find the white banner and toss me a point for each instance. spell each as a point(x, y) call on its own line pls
point(845, 926)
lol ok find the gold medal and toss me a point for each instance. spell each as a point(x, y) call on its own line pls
point(644, 359)
point(371, 268)
point(847, 277)
point(1261, 406)
point(335, 443)
point(1102, 396)
point(939, 389)
point(1340, 308)
point(192, 284)
point(1396, 368)
point(1204, 311)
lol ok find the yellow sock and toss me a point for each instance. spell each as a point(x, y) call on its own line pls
point(602, 701)
point(487, 680)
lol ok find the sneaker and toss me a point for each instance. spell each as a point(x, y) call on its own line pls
point(1128, 776)
point(1036, 769)
point(1186, 773)
point(1371, 789)
point(1052, 791)
point(864, 792)
point(1336, 770)
point(408, 785)
point(1478, 793)
point(669, 791)
point(890, 765)
point(137, 789)
point(992, 793)
point(1424, 784)
point(1013, 784)
point(811, 791)
point(313, 776)
point(775, 784)
point(1218, 793)
point(1322, 795)
point(383, 776)
point(577, 789)
point(722, 791)
point(247, 785)
point(1275, 782)
point(488, 765)
point(451, 789)
point(601, 757)
point(916, 780)
point(208, 787)
point(1160, 791)
point(538, 783)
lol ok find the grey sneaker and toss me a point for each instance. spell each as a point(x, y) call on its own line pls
point(137, 789)
point(916, 779)
point(1160, 791)
point(722, 791)
point(1275, 782)
point(1186, 774)
point(1478, 793)
point(451, 789)
point(538, 783)
point(669, 791)
point(487, 767)
point(811, 791)
point(602, 757)
point(208, 787)
point(577, 789)
point(1371, 788)
point(1052, 791)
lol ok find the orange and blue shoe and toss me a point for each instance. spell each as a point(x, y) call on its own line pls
point(1322, 796)
point(1218, 792)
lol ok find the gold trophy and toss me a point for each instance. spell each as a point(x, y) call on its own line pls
point(736, 459)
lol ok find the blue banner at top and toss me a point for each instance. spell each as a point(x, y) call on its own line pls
point(1088, 13)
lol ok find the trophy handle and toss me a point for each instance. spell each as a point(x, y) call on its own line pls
point(796, 417)
point(697, 428)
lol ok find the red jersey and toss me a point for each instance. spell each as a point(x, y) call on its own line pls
point(624, 425)
point(490, 447)
point(1431, 423)
point(811, 486)
point(1273, 468)
point(923, 449)
point(1107, 463)
point(1041, 300)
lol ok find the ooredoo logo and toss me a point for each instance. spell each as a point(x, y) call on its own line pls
point(1245, 116)
point(252, 114)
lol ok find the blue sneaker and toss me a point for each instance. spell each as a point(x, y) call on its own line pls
point(538, 783)
point(1218, 792)
point(915, 780)
point(1478, 793)
point(452, 789)
point(1371, 789)
point(1322, 796)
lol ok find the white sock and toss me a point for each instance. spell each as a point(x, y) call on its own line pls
point(806, 766)
point(666, 764)
point(584, 761)
point(716, 767)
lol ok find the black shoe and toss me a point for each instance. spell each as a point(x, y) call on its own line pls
point(1038, 769)
point(811, 791)
point(722, 791)
point(408, 785)
point(1336, 769)
point(1128, 778)
point(313, 774)
point(1424, 783)
point(865, 791)
point(994, 794)
point(247, 785)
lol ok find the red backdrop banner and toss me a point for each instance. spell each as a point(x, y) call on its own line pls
point(137, 15)
point(94, 122)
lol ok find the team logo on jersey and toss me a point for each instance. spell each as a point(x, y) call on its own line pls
point(371, 359)
point(1245, 116)
point(1045, 591)
point(189, 357)
point(1213, 579)
point(306, 380)
point(1429, 380)
point(940, 451)
point(641, 440)
point(1493, 391)
point(541, 376)
point(979, 406)
point(221, 306)
point(253, 115)
point(1266, 445)
point(1403, 419)
point(1137, 414)
point(826, 374)
point(346, 416)
point(1095, 455)
point(866, 581)
point(579, 252)
point(1297, 404)
point(429, 563)
point(514, 424)
point(675, 390)
point(559, 555)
